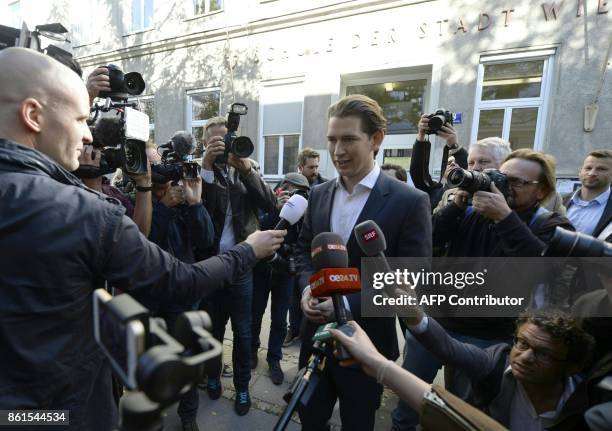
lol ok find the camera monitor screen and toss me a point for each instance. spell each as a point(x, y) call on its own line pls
point(121, 341)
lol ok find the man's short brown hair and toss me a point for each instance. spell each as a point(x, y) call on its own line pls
point(214, 121)
point(600, 154)
point(547, 177)
point(307, 153)
point(360, 106)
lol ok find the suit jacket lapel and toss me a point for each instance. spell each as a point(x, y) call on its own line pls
point(375, 203)
point(325, 207)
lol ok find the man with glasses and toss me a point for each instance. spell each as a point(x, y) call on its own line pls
point(530, 385)
point(494, 226)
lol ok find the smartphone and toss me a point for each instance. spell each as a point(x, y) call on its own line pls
point(121, 340)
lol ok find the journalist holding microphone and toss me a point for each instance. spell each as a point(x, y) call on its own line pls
point(61, 240)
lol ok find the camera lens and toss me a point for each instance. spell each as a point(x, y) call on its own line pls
point(242, 147)
point(436, 122)
point(134, 84)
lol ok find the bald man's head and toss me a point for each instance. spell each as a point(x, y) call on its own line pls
point(43, 105)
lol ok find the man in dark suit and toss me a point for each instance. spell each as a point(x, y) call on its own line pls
point(356, 130)
point(590, 208)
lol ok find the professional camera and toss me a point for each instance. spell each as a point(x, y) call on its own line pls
point(157, 368)
point(240, 146)
point(176, 161)
point(473, 181)
point(437, 120)
point(122, 86)
point(565, 243)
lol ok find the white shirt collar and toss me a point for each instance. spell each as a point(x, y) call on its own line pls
point(601, 199)
point(369, 181)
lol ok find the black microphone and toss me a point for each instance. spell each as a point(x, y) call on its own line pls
point(371, 240)
point(107, 132)
point(182, 143)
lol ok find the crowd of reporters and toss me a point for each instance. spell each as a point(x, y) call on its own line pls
point(209, 242)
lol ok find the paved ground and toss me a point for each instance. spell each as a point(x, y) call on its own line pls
point(266, 397)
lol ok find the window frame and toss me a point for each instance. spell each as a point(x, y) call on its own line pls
point(279, 175)
point(189, 122)
point(541, 102)
point(191, 9)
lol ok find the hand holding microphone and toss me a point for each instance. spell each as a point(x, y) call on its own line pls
point(290, 214)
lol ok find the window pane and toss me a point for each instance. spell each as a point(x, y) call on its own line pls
point(152, 134)
point(199, 7)
point(398, 156)
point(512, 80)
point(136, 15)
point(271, 155)
point(198, 138)
point(148, 13)
point(402, 102)
point(205, 105)
point(291, 146)
point(282, 118)
point(523, 127)
point(490, 123)
point(216, 5)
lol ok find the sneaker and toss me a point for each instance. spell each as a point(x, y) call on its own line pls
point(276, 373)
point(254, 359)
point(242, 403)
point(290, 338)
point(227, 371)
point(214, 388)
point(191, 425)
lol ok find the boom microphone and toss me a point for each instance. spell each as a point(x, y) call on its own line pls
point(182, 143)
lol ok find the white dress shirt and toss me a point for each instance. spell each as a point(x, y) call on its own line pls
point(347, 206)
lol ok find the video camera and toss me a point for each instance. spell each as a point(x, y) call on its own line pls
point(437, 120)
point(240, 146)
point(473, 181)
point(122, 138)
point(157, 367)
point(176, 161)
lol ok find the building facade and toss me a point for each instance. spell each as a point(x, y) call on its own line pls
point(520, 69)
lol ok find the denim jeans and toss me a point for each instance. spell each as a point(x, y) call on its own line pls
point(278, 285)
point(424, 365)
point(234, 302)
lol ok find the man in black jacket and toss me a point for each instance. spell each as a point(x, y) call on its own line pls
point(234, 192)
point(61, 240)
point(491, 227)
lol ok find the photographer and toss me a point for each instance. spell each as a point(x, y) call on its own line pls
point(140, 211)
point(233, 192)
point(494, 226)
point(277, 283)
point(63, 240)
point(419, 162)
point(182, 227)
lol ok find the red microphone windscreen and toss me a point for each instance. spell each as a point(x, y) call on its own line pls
point(329, 281)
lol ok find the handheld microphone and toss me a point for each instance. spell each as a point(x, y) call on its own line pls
point(371, 241)
point(291, 212)
point(182, 143)
point(334, 279)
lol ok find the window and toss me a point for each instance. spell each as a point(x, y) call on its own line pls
point(86, 22)
point(146, 105)
point(398, 156)
point(402, 102)
point(201, 106)
point(281, 125)
point(201, 7)
point(511, 98)
point(142, 14)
